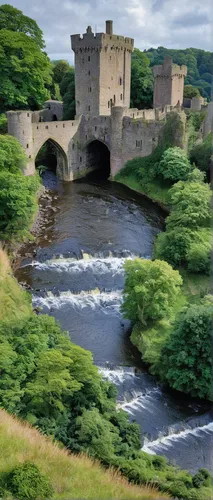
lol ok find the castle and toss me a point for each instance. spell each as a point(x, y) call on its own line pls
point(105, 130)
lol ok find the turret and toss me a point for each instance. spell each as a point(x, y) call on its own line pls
point(20, 126)
point(169, 83)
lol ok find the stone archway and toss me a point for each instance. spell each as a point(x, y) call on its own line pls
point(98, 158)
point(52, 156)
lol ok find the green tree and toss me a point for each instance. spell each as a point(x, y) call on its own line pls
point(12, 155)
point(24, 72)
point(151, 288)
point(174, 164)
point(174, 245)
point(17, 204)
point(190, 205)
point(13, 19)
point(141, 81)
point(60, 68)
point(186, 357)
point(201, 153)
point(190, 91)
point(3, 124)
point(67, 89)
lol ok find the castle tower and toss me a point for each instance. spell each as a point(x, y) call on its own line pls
point(102, 71)
point(169, 83)
point(20, 126)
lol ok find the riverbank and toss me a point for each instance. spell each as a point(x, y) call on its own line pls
point(153, 191)
point(151, 339)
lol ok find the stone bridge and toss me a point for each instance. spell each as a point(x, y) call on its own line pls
point(87, 143)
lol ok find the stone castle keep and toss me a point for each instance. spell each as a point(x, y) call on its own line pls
point(105, 128)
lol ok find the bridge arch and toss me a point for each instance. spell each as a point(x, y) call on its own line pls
point(51, 154)
point(97, 154)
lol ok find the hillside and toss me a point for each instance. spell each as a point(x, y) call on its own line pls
point(14, 302)
point(70, 476)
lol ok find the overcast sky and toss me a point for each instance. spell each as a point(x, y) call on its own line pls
point(169, 23)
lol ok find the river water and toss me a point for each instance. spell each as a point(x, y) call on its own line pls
point(77, 277)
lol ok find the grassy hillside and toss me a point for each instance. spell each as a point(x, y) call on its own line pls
point(71, 476)
point(14, 302)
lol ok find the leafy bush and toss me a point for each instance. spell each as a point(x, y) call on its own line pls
point(17, 204)
point(202, 478)
point(26, 482)
point(174, 245)
point(201, 153)
point(150, 289)
point(199, 258)
point(190, 205)
point(12, 155)
point(196, 176)
point(186, 356)
point(174, 164)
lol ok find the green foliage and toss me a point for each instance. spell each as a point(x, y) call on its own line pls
point(199, 257)
point(196, 176)
point(24, 72)
point(186, 356)
point(190, 91)
point(150, 289)
point(60, 68)
point(12, 155)
point(26, 482)
point(3, 124)
point(67, 89)
point(13, 19)
point(190, 203)
point(174, 164)
point(173, 245)
point(201, 153)
point(17, 204)
point(141, 81)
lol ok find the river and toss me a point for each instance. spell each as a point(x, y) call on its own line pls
point(77, 276)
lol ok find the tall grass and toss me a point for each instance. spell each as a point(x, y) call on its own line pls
point(71, 476)
point(14, 302)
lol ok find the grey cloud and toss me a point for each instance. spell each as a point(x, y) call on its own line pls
point(150, 22)
point(191, 19)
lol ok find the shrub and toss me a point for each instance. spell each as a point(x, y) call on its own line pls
point(173, 245)
point(201, 478)
point(201, 153)
point(26, 482)
point(12, 155)
point(174, 164)
point(199, 258)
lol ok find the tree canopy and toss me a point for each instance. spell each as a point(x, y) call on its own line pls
point(24, 72)
point(174, 164)
point(141, 81)
point(151, 287)
point(186, 356)
point(13, 19)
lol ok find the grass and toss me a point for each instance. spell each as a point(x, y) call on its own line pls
point(71, 476)
point(14, 302)
point(153, 189)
